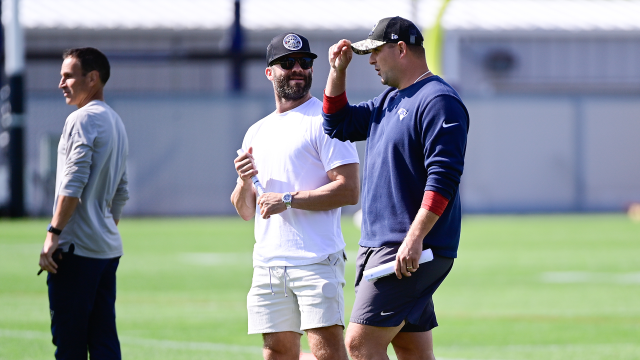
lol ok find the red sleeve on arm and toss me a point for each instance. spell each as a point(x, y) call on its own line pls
point(332, 104)
point(434, 202)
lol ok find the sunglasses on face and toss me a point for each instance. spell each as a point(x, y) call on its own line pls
point(289, 62)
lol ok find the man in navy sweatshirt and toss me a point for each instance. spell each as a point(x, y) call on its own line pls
point(416, 133)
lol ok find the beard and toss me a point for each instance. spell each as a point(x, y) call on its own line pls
point(297, 91)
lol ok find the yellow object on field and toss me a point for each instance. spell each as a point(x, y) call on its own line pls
point(433, 39)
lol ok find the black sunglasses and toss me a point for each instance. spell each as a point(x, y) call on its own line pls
point(289, 62)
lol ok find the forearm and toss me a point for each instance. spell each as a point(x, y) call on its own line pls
point(64, 209)
point(422, 224)
point(408, 256)
point(243, 199)
point(336, 82)
point(344, 189)
point(330, 196)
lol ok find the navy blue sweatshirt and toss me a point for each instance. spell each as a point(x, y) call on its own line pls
point(416, 141)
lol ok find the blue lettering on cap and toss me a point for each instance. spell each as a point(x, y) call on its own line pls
point(374, 27)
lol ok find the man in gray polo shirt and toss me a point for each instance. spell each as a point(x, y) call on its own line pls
point(83, 246)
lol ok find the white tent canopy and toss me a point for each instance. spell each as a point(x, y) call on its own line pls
point(565, 15)
point(493, 15)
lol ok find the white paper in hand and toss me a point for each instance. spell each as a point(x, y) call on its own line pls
point(389, 268)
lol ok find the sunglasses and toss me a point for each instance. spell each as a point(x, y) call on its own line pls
point(289, 62)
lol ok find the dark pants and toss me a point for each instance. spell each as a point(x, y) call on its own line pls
point(82, 297)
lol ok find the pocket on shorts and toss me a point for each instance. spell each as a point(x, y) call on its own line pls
point(333, 278)
point(335, 258)
point(338, 265)
point(434, 272)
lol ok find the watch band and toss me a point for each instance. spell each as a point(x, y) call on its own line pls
point(53, 230)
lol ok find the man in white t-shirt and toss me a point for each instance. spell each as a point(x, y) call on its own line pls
point(299, 256)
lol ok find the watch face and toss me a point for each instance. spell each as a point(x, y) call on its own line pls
point(286, 198)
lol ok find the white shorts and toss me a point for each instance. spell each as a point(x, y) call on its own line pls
point(311, 297)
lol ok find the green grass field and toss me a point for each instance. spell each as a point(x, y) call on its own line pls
point(555, 287)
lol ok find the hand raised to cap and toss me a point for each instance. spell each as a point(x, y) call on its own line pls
point(340, 55)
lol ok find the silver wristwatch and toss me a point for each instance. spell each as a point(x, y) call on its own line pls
point(286, 199)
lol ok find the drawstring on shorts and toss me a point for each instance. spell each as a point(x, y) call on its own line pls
point(270, 284)
point(285, 282)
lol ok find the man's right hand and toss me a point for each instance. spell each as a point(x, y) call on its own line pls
point(245, 166)
point(47, 262)
point(340, 55)
point(243, 196)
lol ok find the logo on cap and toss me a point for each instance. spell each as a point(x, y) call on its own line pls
point(292, 42)
point(374, 27)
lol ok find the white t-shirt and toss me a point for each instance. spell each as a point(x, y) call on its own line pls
point(292, 153)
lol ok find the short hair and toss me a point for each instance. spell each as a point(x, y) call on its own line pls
point(416, 50)
point(91, 59)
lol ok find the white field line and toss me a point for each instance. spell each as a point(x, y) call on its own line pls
point(24, 334)
point(226, 259)
point(217, 259)
point(568, 349)
point(543, 347)
point(586, 277)
point(214, 347)
point(190, 345)
point(164, 344)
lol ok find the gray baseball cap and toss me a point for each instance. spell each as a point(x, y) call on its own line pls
point(389, 30)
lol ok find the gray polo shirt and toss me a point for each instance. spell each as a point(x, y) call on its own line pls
point(92, 157)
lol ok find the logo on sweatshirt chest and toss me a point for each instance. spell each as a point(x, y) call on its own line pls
point(402, 113)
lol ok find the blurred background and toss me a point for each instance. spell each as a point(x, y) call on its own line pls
point(552, 87)
point(553, 90)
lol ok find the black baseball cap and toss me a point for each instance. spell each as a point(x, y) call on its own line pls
point(389, 30)
point(288, 43)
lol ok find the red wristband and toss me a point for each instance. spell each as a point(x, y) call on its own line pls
point(332, 104)
point(434, 202)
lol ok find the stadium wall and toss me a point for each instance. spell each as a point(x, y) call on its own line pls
point(538, 142)
point(525, 154)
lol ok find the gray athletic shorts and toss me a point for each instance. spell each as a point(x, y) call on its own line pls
point(389, 300)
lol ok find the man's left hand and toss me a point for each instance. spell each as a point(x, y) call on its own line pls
point(271, 204)
point(408, 257)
